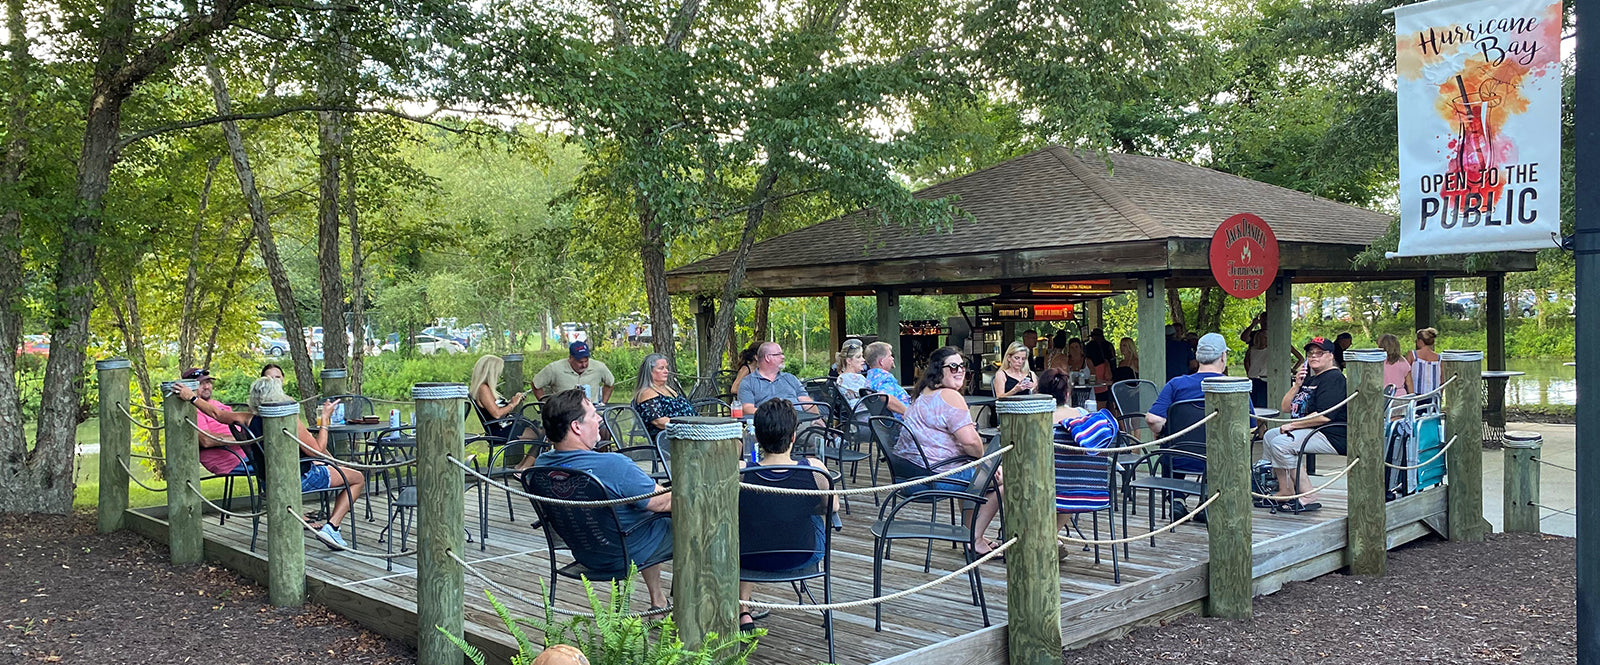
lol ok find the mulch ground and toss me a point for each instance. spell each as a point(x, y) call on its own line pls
point(1509, 600)
point(70, 595)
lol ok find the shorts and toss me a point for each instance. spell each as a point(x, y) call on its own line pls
point(316, 478)
point(956, 481)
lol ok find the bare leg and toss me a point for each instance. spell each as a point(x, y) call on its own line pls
point(341, 505)
point(986, 513)
point(652, 583)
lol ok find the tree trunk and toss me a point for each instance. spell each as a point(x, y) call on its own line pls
point(227, 293)
point(188, 323)
point(762, 327)
point(1175, 307)
point(358, 287)
point(305, 380)
point(14, 455)
point(730, 292)
point(653, 257)
point(124, 302)
point(331, 134)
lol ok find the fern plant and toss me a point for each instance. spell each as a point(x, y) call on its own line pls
point(613, 635)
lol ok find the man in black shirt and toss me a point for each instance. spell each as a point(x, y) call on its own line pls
point(1317, 390)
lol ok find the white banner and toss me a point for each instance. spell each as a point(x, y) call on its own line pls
point(1479, 97)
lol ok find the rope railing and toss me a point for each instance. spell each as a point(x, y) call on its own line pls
point(144, 456)
point(1553, 514)
point(135, 480)
point(135, 421)
point(220, 509)
point(1128, 449)
point(379, 400)
point(1308, 416)
point(1558, 466)
point(924, 480)
point(820, 607)
point(1173, 525)
point(229, 441)
point(1319, 488)
point(340, 548)
point(147, 407)
point(550, 500)
point(1426, 395)
point(324, 457)
point(522, 599)
point(1431, 460)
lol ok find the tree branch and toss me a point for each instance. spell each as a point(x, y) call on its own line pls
point(759, 204)
point(263, 115)
point(165, 48)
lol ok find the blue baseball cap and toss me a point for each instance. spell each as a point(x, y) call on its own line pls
point(578, 350)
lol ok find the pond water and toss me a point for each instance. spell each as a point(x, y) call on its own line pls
point(1546, 382)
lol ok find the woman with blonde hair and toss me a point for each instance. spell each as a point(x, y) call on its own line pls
point(1014, 377)
point(1130, 356)
point(1396, 369)
point(852, 380)
point(1424, 363)
point(482, 388)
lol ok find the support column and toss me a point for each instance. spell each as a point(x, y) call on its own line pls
point(1008, 329)
point(184, 537)
point(1280, 339)
point(1033, 589)
point(286, 545)
point(1365, 524)
point(1464, 461)
point(705, 526)
point(334, 381)
point(512, 381)
point(1427, 306)
point(1094, 313)
point(1494, 303)
point(1152, 340)
point(1521, 492)
point(441, 498)
point(706, 364)
point(1228, 520)
point(116, 441)
point(889, 326)
point(836, 321)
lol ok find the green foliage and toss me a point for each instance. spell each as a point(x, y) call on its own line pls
point(614, 635)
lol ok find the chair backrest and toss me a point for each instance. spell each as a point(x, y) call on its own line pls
point(593, 534)
point(875, 404)
point(712, 407)
point(493, 431)
point(1133, 396)
point(885, 432)
point(627, 430)
point(664, 452)
point(1083, 482)
point(782, 523)
point(816, 441)
point(1184, 413)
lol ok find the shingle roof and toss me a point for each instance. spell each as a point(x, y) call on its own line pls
point(1057, 197)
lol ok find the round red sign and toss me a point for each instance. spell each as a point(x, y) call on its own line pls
point(1244, 256)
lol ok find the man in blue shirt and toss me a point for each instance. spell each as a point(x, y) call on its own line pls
point(1212, 354)
point(571, 421)
point(880, 377)
point(1180, 356)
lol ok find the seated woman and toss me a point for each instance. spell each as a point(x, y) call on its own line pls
point(747, 364)
point(1098, 367)
point(939, 420)
point(484, 391)
point(781, 532)
point(1014, 377)
point(1056, 384)
point(656, 402)
point(320, 475)
point(852, 381)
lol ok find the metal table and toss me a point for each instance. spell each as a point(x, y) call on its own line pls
point(1494, 405)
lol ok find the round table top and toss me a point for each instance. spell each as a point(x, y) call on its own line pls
point(978, 400)
point(1501, 374)
point(1263, 412)
point(358, 428)
point(804, 416)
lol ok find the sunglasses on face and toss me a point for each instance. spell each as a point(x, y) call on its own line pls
point(956, 367)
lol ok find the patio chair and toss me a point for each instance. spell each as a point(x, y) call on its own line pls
point(1159, 477)
point(885, 433)
point(504, 452)
point(582, 530)
point(629, 437)
point(1132, 400)
point(245, 470)
point(711, 407)
point(259, 466)
point(784, 525)
point(829, 444)
point(1087, 484)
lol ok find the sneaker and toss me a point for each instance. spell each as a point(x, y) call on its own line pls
point(330, 536)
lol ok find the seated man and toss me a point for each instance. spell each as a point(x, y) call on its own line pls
point(218, 452)
point(573, 427)
point(769, 381)
point(780, 532)
point(1212, 354)
point(576, 371)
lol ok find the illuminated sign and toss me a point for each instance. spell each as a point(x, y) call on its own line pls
point(1079, 286)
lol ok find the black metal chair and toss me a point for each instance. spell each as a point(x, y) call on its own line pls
point(630, 437)
point(1159, 477)
point(785, 522)
point(829, 444)
point(1132, 400)
point(886, 433)
point(712, 407)
point(1309, 461)
point(259, 466)
point(583, 529)
point(1087, 484)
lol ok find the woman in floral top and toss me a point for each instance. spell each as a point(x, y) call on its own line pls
point(655, 401)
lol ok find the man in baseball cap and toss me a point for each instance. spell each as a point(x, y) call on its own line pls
point(578, 370)
point(218, 454)
point(1314, 402)
point(1212, 354)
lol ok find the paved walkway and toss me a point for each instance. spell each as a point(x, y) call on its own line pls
point(1557, 487)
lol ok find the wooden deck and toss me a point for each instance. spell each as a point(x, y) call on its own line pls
point(940, 625)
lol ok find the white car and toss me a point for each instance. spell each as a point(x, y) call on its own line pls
point(428, 345)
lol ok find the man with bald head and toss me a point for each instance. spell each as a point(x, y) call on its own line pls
point(769, 380)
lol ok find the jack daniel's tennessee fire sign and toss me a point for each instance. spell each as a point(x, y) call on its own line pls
point(1244, 256)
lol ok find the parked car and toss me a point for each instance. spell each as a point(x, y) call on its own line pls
point(574, 332)
point(446, 332)
point(430, 344)
point(37, 345)
point(270, 346)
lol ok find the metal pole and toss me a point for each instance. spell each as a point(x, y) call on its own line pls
point(1586, 190)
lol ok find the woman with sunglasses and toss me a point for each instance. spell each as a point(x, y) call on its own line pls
point(939, 420)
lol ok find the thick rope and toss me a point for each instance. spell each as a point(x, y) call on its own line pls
point(324, 457)
point(1423, 464)
point(1314, 490)
point(220, 509)
point(1426, 395)
point(391, 401)
point(340, 548)
point(870, 490)
point(1558, 466)
point(1128, 449)
point(553, 501)
point(230, 441)
point(522, 599)
point(135, 421)
point(1557, 510)
point(893, 596)
point(147, 407)
point(135, 480)
point(144, 456)
point(1173, 525)
point(1308, 416)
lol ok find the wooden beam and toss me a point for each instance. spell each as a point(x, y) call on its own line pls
point(1033, 586)
point(705, 456)
point(836, 322)
point(1280, 339)
point(1229, 520)
point(286, 540)
point(1365, 484)
point(706, 357)
point(183, 473)
point(1464, 460)
point(441, 499)
point(116, 439)
point(889, 327)
point(1152, 339)
point(1520, 495)
point(1426, 306)
point(1494, 308)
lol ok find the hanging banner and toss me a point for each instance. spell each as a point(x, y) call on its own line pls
point(1479, 98)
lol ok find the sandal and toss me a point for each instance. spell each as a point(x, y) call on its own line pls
point(1265, 503)
point(1295, 506)
point(746, 626)
point(992, 546)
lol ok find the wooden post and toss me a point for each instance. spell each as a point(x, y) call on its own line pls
point(116, 441)
point(1094, 313)
point(1228, 520)
point(705, 526)
point(1494, 314)
point(1280, 341)
point(889, 328)
point(286, 544)
point(184, 538)
point(334, 381)
point(511, 381)
point(1426, 305)
point(837, 330)
point(1365, 523)
point(1463, 402)
point(1033, 588)
point(1152, 340)
point(1521, 491)
point(441, 499)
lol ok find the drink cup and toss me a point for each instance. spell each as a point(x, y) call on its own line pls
point(737, 410)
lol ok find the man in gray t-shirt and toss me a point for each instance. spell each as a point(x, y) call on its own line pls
point(769, 380)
